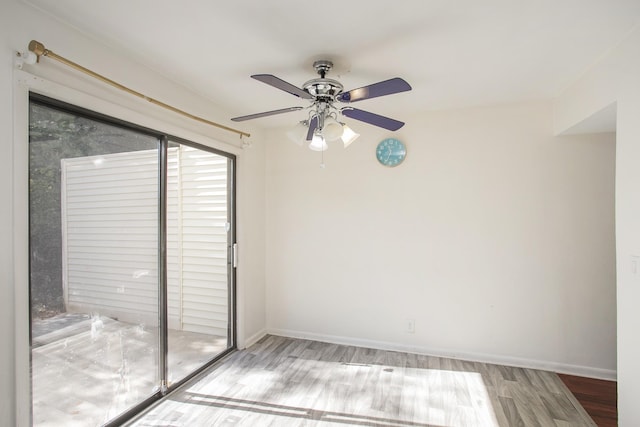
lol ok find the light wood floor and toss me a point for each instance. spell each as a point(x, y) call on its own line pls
point(292, 382)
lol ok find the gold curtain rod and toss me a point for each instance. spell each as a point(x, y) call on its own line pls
point(39, 49)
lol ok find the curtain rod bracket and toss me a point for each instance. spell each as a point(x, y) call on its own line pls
point(245, 143)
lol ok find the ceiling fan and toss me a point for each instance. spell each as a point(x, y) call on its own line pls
point(323, 114)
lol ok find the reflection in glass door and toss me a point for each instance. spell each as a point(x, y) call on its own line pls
point(94, 268)
point(109, 329)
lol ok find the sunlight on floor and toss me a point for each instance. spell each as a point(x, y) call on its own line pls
point(335, 394)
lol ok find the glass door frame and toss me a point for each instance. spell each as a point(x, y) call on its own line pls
point(164, 140)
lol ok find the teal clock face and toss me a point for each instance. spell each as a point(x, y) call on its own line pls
point(391, 152)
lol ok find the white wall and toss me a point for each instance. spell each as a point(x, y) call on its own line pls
point(20, 24)
point(617, 78)
point(251, 251)
point(494, 235)
point(7, 402)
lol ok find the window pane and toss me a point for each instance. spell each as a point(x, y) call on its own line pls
point(198, 235)
point(94, 268)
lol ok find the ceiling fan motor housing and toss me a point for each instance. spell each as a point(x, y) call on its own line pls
point(324, 89)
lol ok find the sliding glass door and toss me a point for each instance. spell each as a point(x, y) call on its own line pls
point(131, 282)
point(199, 236)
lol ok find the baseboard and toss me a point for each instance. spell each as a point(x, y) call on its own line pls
point(248, 342)
point(582, 371)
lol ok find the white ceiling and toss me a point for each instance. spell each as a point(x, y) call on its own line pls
point(454, 53)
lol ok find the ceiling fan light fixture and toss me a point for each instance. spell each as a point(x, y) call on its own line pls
point(348, 135)
point(332, 129)
point(323, 93)
point(317, 142)
point(298, 133)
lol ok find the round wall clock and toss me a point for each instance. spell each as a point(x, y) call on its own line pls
point(391, 152)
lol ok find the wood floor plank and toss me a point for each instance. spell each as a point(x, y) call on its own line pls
point(598, 397)
point(291, 382)
point(558, 406)
point(498, 411)
point(529, 407)
point(511, 412)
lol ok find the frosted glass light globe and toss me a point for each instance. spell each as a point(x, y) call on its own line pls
point(332, 130)
point(318, 143)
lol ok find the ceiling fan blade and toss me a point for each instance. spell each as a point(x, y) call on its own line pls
point(282, 85)
point(265, 114)
point(372, 119)
point(313, 124)
point(387, 87)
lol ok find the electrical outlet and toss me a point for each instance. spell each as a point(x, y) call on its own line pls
point(411, 326)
